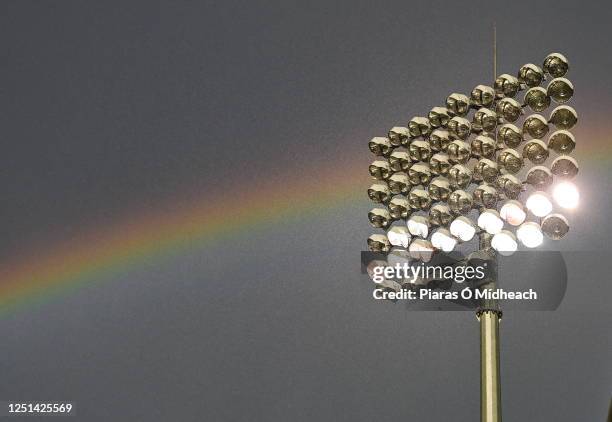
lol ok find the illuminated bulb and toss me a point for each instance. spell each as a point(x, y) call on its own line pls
point(463, 228)
point(418, 226)
point(442, 239)
point(504, 242)
point(539, 204)
point(566, 195)
point(398, 236)
point(512, 212)
point(530, 234)
point(490, 221)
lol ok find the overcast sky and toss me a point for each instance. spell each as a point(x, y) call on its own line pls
point(114, 109)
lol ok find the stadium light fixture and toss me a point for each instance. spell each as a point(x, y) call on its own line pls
point(481, 166)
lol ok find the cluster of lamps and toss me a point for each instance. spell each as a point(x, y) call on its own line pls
point(483, 163)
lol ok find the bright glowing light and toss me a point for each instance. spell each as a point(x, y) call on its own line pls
point(399, 236)
point(539, 204)
point(530, 234)
point(442, 239)
point(566, 195)
point(490, 221)
point(512, 212)
point(504, 242)
point(463, 228)
point(421, 249)
point(418, 226)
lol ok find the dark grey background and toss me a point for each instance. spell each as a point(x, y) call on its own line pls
point(115, 108)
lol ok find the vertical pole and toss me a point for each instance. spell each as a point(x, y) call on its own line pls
point(489, 316)
point(490, 386)
point(494, 51)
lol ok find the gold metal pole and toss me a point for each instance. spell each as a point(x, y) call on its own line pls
point(490, 385)
point(489, 315)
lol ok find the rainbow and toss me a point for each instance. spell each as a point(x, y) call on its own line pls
point(102, 253)
point(110, 250)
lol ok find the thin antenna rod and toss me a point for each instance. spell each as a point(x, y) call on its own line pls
point(494, 52)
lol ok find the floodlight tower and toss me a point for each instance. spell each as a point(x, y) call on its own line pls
point(467, 172)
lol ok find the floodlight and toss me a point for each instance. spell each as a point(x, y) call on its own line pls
point(460, 127)
point(484, 120)
point(566, 195)
point(439, 164)
point(560, 90)
point(399, 236)
point(513, 213)
point(419, 199)
point(379, 192)
point(485, 195)
point(537, 99)
point(555, 226)
point(440, 215)
point(439, 140)
point(530, 75)
point(539, 204)
point(540, 177)
point(421, 249)
point(535, 151)
point(564, 166)
point(419, 174)
point(399, 161)
point(458, 104)
point(504, 242)
point(483, 146)
point(530, 234)
point(510, 135)
point(556, 65)
point(459, 151)
point(439, 189)
point(399, 207)
point(490, 221)
point(486, 170)
point(398, 136)
point(398, 255)
point(463, 228)
point(483, 96)
point(459, 176)
point(380, 169)
point(564, 117)
point(562, 142)
point(460, 202)
point(443, 240)
point(439, 117)
point(379, 218)
point(419, 150)
point(418, 225)
point(380, 146)
point(510, 185)
point(536, 126)
point(379, 243)
point(419, 126)
point(510, 160)
point(509, 109)
point(398, 183)
point(506, 86)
